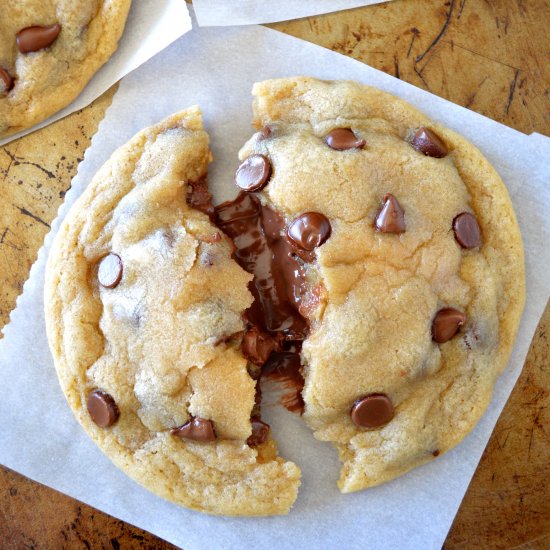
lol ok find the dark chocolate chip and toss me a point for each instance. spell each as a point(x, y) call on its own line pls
point(36, 38)
point(260, 432)
point(429, 143)
point(446, 323)
point(372, 411)
point(253, 173)
point(436, 453)
point(467, 231)
point(198, 429)
point(109, 272)
point(7, 79)
point(341, 139)
point(309, 230)
point(257, 346)
point(102, 408)
point(391, 219)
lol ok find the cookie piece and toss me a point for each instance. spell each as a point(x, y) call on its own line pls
point(414, 299)
point(48, 53)
point(145, 330)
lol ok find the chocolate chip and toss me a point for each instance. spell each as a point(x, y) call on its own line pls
point(253, 173)
point(36, 38)
point(257, 346)
point(446, 324)
point(467, 231)
point(309, 230)
point(428, 143)
point(391, 218)
point(436, 453)
point(102, 408)
point(260, 432)
point(197, 429)
point(109, 272)
point(341, 139)
point(7, 79)
point(372, 411)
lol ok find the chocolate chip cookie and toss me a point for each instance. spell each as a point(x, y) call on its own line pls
point(371, 264)
point(144, 316)
point(49, 50)
point(394, 284)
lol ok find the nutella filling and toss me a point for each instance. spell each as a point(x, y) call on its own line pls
point(199, 197)
point(274, 319)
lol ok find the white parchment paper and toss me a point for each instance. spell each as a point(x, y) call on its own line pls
point(40, 438)
point(151, 26)
point(247, 12)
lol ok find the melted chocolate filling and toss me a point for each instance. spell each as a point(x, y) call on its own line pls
point(279, 284)
point(199, 197)
point(286, 368)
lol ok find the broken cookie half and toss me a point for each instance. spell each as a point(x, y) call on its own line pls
point(144, 317)
point(408, 269)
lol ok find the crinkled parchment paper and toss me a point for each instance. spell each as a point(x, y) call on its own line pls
point(248, 12)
